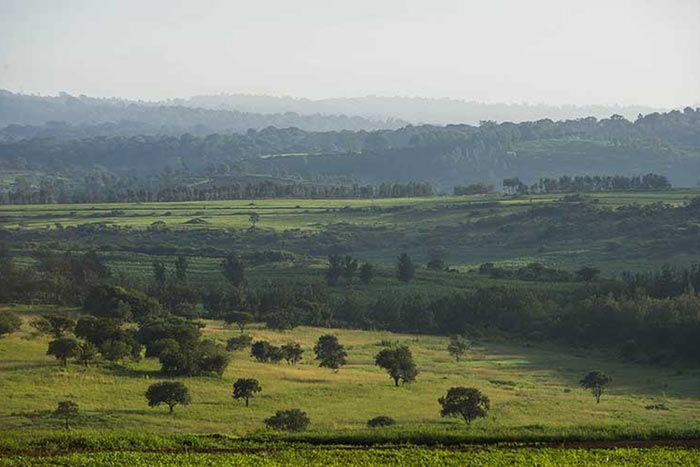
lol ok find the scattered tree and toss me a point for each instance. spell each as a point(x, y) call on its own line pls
point(329, 352)
point(596, 381)
point(587, 273)
point(405, 268)
point(239, 318)
point(380, 421)
point(245, 389)
point(292, 352)
point(86, 354)
point(115, 350)
point(240, 342)
point(366, 273)
point(233, 269)
point(458, 346)
point(469, 403)
point(398, 362)
point(54, 325)
point(63, 348)
point(171, 393)
point(254, 218)
point(67, 410)
point(265, 352)
point(288, 420)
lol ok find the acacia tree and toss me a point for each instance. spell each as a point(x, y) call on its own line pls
point(405, 269)
point(469, 403)
point(329, 352)
point(54, 325)
point(596, 381)
point(458, 346)
point(239, 318)
point(171, 393)
point(86, 353)
point(245, 388)
point(292, 352)
point(63, 348)
point(398, 362)
point(66, 410)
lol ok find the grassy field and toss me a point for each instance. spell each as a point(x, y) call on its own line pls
point(534, 391)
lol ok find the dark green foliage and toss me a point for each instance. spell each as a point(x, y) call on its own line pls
point(97, 330)
point(329, 352)
point(596, 381)
point(170, 393)
point(54, 325)
point(292, 352)
point(458, 346)
point(245, 389)
point(398, 362)
point(587, 273)
point(118, 303)
point(349, 267)
point(156, 328)
point(9, 323)
point(233, 269)
point(181, 266)
point(335, 270)
point(239, 318)
point(254, 218)
point(405, 269)
point(67, 410)
point(366, 273)
point(63, 348)
point(115, 350)
point(86, 354)
point(380, 421)
point(265, 352)
point(288, 420)
point(468, 403)
point(199, 358)
point(240, 342)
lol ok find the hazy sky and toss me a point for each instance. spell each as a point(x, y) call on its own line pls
point(551, 51)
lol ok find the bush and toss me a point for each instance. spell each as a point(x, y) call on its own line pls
point(9, 323)
point(288, 420)
point(380, 421)
point(239, 342)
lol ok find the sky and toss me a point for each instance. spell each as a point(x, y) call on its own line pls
point(629, 52)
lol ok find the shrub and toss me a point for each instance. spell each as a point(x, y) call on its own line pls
point(288, 420)
point(9, 323)
point(380, 421)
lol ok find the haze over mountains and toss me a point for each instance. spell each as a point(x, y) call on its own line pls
point(415, 110)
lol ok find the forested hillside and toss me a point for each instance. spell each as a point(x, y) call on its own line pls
point(445, 156)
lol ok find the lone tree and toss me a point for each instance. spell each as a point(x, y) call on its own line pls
point(292, 352)
point(405, 268)
point(254, 218)
point(245, 389)
point(468, 403)
point(170, 393)
point(239, 318)
point(329, 352)
point(398, 362)
point(596, 381)
point(335, 270)
point(288, 420)
point(67, 410)
point(54, 325)
point(63, 348)
point(233, 268)
point(458, 346)
point(587, 273)
point(366, 273)
point(86, 354)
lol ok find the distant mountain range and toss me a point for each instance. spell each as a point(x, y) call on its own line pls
point(412, 109)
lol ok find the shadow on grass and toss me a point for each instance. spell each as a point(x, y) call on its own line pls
point(121, 370)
